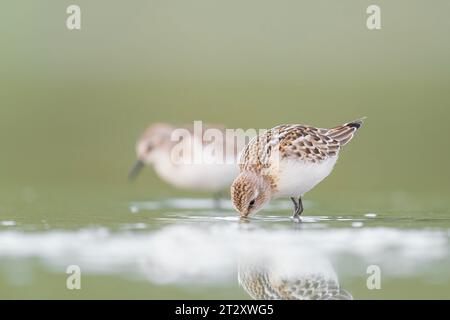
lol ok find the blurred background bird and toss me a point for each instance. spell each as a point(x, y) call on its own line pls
point(190, 159)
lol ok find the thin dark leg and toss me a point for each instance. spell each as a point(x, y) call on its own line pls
point(300, 206)
point(298, 209)
point(295, 204)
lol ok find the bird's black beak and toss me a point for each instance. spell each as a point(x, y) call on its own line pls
point(137, 167)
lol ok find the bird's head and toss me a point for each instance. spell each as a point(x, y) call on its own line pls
point(250, 192)
point(154, 139)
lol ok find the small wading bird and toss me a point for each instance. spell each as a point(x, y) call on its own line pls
point(287, 161)
point(212, 171)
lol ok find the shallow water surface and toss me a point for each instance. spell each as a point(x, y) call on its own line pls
point(187, 248)
point(72, 108)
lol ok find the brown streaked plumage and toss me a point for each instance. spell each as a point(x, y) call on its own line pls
point(287, 160)
point(265, 283)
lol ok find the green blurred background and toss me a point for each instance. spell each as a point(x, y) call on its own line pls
point(72, 103)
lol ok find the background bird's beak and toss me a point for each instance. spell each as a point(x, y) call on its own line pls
point(137, 167)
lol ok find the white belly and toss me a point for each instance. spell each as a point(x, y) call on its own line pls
point(298, 177)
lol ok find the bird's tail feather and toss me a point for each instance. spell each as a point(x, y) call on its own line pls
point(344, 133)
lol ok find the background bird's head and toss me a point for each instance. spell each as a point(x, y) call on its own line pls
point(156, 138)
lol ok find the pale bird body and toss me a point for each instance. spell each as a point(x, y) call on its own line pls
point(287, 161)
point(192, 164)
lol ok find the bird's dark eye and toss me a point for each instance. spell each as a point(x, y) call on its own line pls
point(251, 204)
point(149, 147)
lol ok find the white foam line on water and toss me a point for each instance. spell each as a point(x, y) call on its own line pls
point(370, 215)
point(201, 203)
point(192, 253)
point(8, 223)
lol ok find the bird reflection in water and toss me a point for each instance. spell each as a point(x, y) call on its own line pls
point(282, 275)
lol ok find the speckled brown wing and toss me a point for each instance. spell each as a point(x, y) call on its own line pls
point(308, 144)
point(262, 284)
point(311, 287)
point(257, 153)
point(297, 142)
